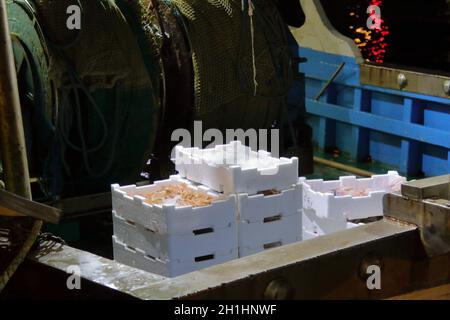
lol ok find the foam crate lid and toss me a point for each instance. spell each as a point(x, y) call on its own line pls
point(235, 168)
point(176, 247)
point(170, 218)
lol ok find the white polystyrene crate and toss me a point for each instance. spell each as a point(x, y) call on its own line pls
point(171, 219)
point(176, 247)
point(235, 168)
point(308, 235)
point(319, 195)
point(137, 258)
point(318, 226)
point(259, 236)
point(321, 226)
point(258, 207)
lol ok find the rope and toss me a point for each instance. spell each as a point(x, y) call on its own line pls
point(251, 9)
point(47, 243)
point(75, 85)
point(64, 127)
point(275, 34)
point(20, 257)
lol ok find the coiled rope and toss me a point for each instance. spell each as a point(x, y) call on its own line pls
point(20, 257)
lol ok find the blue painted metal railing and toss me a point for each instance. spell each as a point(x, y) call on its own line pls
point(408, 131)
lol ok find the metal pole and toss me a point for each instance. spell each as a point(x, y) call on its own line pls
point(12, 140)
point(12, 136)
point(329, 82)
point(340, 166)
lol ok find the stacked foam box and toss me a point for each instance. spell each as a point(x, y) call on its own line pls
point(268, 195)
point(171, 240)
point(325, 213)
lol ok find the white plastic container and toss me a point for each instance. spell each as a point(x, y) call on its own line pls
point(139, 259)
point(314, 226)
point(319, 196)
point(256, 208)
point(235, 168)
point(264, 235)
point(308, 235)
point(171, 219)
point(181, 248)
point(268, 221)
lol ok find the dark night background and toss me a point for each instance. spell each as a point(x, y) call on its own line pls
point(419, 30)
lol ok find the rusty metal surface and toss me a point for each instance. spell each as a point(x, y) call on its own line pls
point(425, 203)
point(99, 270)
point(437, 293)
point(431, 216)
point(410, 246)
point(36, 281)
point(397, 79)
point(323, 268)
point(328, 267)
point(435, 187)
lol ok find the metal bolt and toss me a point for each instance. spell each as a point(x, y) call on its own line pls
point(447, 87)
point(279, 289)
point(402, 80)
point(371, 259)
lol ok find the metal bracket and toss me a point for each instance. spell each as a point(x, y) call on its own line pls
point(425, 203)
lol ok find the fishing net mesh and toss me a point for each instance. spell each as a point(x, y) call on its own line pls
point(221, 40)
point(100, 55)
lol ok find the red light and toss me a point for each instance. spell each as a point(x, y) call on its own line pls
point(372, 43)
